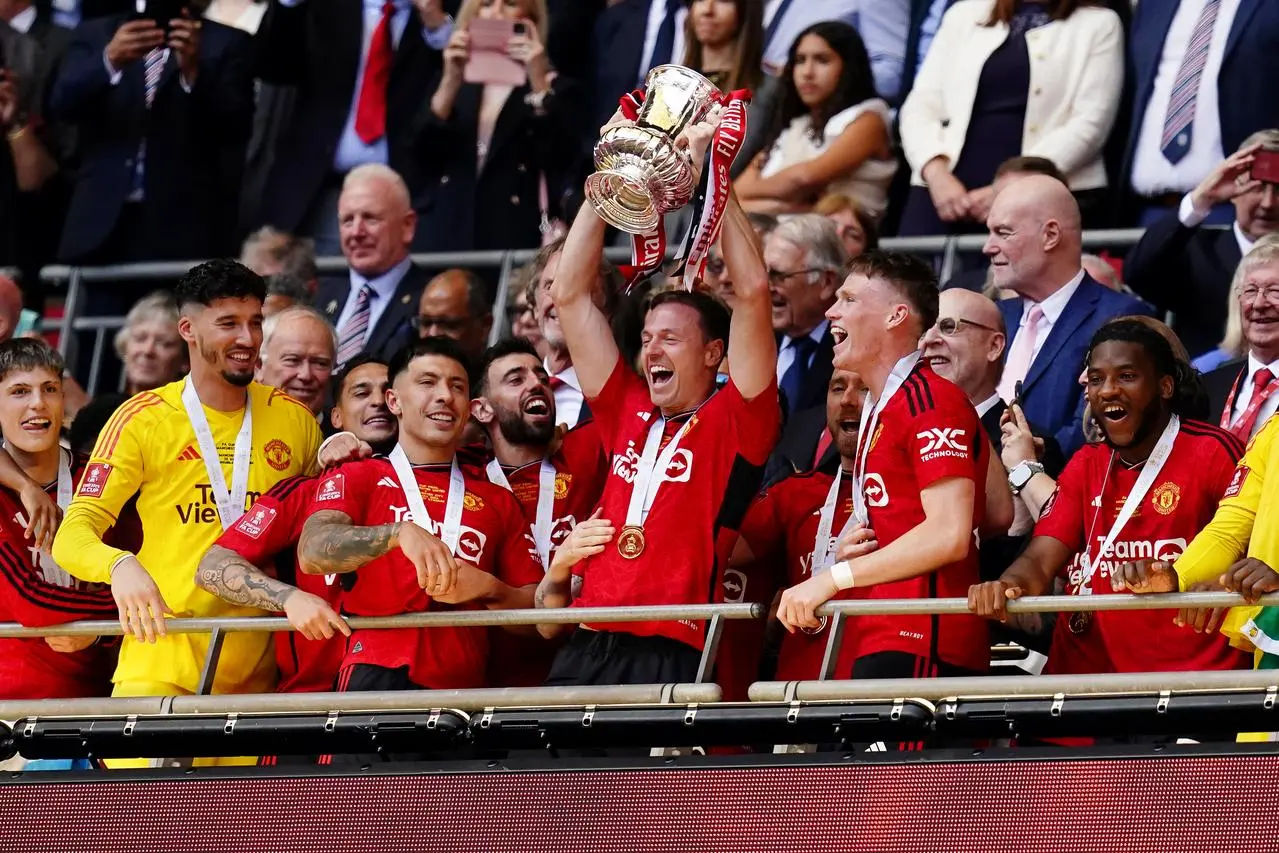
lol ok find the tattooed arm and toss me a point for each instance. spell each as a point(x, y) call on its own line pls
point(232, 578)
point(332, 544)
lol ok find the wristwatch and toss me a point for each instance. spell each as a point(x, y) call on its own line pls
point(1020, 475)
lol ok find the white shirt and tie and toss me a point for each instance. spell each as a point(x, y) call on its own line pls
point(381, 291)
point(1248, 388)
point(568, 395)
point(786, 352)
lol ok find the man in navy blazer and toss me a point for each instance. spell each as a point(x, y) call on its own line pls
point(1242, 90)
point(1034, 250)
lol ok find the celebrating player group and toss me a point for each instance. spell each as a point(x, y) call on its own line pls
point(450, 485)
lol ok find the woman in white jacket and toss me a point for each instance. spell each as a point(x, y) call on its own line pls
point(1005, 78)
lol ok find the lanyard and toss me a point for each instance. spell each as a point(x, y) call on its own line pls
point(1153, 466)
point(230, 504)
point(647, 481)
point(452, 529)
point(824, 542)
point(51, 571)
point(1249, 414)
point(866, 430)
point(545, 503)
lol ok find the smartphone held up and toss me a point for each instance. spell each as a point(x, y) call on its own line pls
point(489, 62)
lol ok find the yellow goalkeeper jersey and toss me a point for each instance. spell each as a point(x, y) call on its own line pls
point(1246, 522)
point(149, 450)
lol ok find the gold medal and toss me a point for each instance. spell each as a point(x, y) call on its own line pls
point(630, 542)
point(1080, 621)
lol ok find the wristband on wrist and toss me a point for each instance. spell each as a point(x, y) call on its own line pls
point(115, 565)
point(842, 574)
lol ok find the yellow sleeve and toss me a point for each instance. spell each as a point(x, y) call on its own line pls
point(112, 477)
point(1226, 537)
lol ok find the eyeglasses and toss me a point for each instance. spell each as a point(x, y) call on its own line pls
point(950, 326)
point(778, 277)
point(1268, 294)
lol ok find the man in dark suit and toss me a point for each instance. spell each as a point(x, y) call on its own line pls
point(1244, 393)
point(805, 260)
point(159, 116)
point(1035, 251)
point(632, 36)
point(359, 99)
point(25, 159)
point(1187, 269)
point(1229, 79)
point(373, 306)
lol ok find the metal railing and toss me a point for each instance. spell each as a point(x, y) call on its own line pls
point(947, 248)
point(836, 612)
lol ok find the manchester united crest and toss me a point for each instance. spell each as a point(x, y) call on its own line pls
point(278, 454)
point(472, 503)
point(1165, 498)
point(562, 482)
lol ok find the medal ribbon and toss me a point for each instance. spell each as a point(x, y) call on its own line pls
point(823, 545)
point(866, 433)
point(230, 504)
point(51, 571)
point(452, 528)
point(648, 250)
point(545, 503)
point(647, 480)
point(1153, 466)
point(1249, 415)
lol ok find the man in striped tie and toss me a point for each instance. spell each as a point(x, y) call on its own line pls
point(373, 306)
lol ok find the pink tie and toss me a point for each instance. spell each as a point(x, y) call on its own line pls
point(1020, 354)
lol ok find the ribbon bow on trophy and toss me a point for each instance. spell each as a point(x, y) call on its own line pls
point(641, 174)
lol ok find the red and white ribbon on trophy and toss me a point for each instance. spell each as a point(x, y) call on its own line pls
point(648, 250)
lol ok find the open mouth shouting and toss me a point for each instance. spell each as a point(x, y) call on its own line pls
point(241, 359)
point(660, 376)
point(1113, 416)
point(536, 407)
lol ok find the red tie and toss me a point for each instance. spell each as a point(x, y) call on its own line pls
point(823, 444)
point(370, 110)
point(1261, 382)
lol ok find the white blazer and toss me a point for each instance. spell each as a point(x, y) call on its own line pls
point(1076, 78)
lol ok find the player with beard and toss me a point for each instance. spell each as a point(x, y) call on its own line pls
point(793, 530)
point(34, 590)
point(419, 534)
point(556, 478)
point(267, 537)
point(195, 454)
point(1144, 492)
point(919, 480)
point(685, 458)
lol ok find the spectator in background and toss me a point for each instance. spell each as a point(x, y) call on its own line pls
point(1218, 59)
point(372, 306)
point(1034, 250)
point(1012, 169)
point(269, 252)
point(717, 279)
point(298, 349)
point(282, 291)
point(1187, 269)
point(882, 24)
point(1003, 78)
point(26, 161)
point(857, 230)
point(724, 41)
point(493, 154)
point(828, 131)
point(1242, 391)
point(805, 260)
point(89, 422)
point(242, 14)
point(455, 304)
point(1103, 272)
point(520, 313)
point(358, 101)
point(158, 125)
point(570, 405)
point(149, 345)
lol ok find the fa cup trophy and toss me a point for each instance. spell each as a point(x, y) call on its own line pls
point(640, 174)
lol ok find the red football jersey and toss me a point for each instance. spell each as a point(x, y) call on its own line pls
point(927, 432)
point(1090, 493)
point(36, 592)
point(781, 529)
point(706, 488)
point(267, 536)
point(580, 466)
point(494, 538)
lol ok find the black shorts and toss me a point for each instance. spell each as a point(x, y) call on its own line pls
point(370, 678)
point(611, 657)
point(904, 665)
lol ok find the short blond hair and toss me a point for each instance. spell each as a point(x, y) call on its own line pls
point(1264, 253)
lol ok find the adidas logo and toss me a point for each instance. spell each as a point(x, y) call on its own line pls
point(189, 455)
point(388, 482)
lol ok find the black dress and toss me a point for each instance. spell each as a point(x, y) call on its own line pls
point(995, 129)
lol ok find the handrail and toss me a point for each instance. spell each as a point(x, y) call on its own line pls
point(476, 699)
point(999, 686)
point(658, 613)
